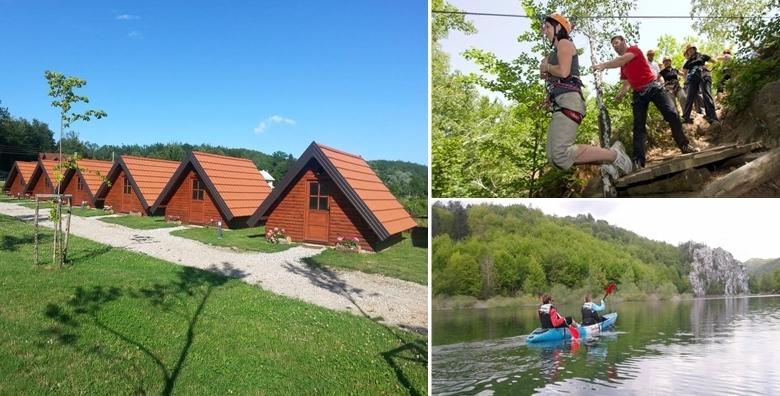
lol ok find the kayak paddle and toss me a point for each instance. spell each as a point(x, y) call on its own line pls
point(575, 334)
point(609, 289)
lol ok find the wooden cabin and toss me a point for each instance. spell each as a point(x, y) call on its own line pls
point(210, 188)
point(20, 174)
point(84, 182)
point(136, 183)
point(43, 180)
point(329, 194)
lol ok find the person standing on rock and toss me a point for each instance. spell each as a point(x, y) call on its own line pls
point(698, 80)
point(561, 72)
point(671, 82)
point(636, 73)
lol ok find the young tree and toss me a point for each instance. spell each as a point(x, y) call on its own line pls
point(61, 89)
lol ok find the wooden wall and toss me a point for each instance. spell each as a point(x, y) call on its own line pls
point(180, 205)
point(120, 202)
point(78, 196)
point(289, 213)
point(40, 186)
point(14, 186)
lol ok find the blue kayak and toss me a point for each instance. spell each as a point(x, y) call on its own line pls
point(563, 333)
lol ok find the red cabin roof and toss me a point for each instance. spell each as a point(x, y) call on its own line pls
point(235, 183)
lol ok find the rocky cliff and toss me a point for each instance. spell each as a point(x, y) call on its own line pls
point(715, 271)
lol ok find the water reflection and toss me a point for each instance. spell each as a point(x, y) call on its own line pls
point(704, 346)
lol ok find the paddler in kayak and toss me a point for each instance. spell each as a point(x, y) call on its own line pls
point(590, 311)
point(550, 317)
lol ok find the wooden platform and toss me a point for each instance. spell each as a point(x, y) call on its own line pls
point(684, 162)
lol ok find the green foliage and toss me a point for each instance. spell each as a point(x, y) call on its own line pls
point(61, 90)
point(721, 29)
point(514, 250)
point(22, 140)
point(758, 60)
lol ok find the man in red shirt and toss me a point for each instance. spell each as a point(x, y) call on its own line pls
point(636, 73)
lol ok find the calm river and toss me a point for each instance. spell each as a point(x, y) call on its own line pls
point(696, 347)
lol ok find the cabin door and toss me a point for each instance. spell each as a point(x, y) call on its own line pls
point(317, 212)
point(196, 203)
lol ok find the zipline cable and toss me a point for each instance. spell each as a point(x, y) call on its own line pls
point(604, 16)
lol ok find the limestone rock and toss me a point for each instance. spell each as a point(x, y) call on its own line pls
point(713, 268)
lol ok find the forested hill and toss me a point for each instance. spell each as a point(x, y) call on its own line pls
point(22, 140)
point(486, 250)
point(762, 266)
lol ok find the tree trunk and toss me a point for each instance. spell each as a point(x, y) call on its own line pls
point(67, 231)
point(745, 178)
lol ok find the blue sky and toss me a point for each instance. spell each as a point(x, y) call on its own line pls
point(268, 76)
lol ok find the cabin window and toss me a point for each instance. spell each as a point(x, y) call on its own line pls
point(197, 190)
point(80, 185)
point(318, 196)
point(21, 182)
point(126, 186)
point(48, 183)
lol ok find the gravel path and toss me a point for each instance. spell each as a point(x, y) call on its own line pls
point(397, 302)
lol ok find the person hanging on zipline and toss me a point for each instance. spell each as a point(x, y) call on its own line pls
point(561, 72)
point(698, 80)
point(635, 73)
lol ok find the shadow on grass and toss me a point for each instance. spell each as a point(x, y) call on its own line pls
point(175, 297)
point(410, 350)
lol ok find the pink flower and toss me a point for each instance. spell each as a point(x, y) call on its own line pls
point(339, 239)
point(355, 239)
point(276, 229)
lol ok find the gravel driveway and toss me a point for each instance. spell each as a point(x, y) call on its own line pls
point(397, 302)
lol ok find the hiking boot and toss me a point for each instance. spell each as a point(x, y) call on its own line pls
point(638, 165)
point(687, 149)
point(622, 160)
point(687, 121)
point(712, 120)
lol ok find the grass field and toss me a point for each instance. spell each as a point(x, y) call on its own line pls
point(402, 260)
point(252, 239)
point(117, 322)
point(140, 222)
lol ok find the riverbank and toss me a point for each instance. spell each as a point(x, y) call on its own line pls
point(443, 303)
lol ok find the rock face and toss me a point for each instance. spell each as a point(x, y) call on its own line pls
point(757, 123)
point(715, 271)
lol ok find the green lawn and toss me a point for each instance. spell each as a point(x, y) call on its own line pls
point(77, 210)
point(402, 260)
point(140, 222)
point(245, 238)
point(118, 322)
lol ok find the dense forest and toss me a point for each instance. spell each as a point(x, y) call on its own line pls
point(764, 275)
point(483, 147)
point(22, 140)
point(486, 250)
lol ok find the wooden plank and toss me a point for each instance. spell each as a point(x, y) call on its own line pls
point(686, 161)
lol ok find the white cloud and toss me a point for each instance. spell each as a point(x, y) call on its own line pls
point(127, 17)
point(274, 119)
point(135, 35)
